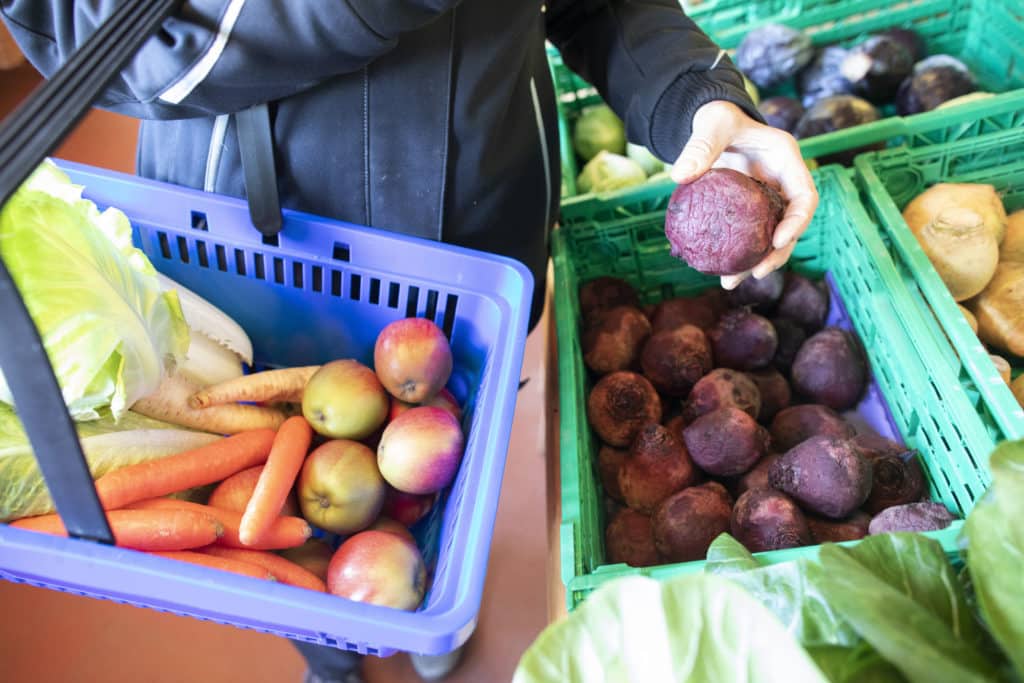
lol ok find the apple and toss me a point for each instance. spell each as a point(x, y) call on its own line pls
point(392, 527)
point(406, 508)
point(442, 399)
point(340, 488)
point(345, 400)
point(420, 450)
point(314, 555)
point(234, 493)
point(413, 359)
point(379, 568)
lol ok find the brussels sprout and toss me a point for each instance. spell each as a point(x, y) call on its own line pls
point(934, 80)
point(781, 112)
point(773, 53)
point(607, 172)
point(824, 78)
point(599, 128)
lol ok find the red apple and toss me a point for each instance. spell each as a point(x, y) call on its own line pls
point(345, 400)
point(406, 508)
point(392, 527)
point(340, 488)
point(420, 451)
point(413, 359)
point(234, 493)
point(443, 399)
point(379, 568)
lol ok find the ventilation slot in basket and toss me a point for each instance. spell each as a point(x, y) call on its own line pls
point(222, 258)
point(341, 252)
point(204, 258)
point(354, 287)
point(374, 291)
point(199, 221)
point(449, 314)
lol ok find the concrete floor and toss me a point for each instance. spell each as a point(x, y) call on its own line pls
point(50, 637)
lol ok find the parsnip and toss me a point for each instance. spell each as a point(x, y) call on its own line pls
point(170, 403)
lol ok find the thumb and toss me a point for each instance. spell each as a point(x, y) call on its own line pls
point(700, 152)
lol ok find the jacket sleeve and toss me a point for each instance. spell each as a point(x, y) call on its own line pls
point(650, 62)
point(220, 56)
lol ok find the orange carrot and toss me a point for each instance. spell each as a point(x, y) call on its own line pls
point(196, 467)
point(270, 386)
point(170, 529)
point(222, 563)
point(234, 493)
point(286, 532)
point(283, 570)
point(276, 480)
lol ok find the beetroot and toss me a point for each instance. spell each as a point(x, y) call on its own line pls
point(629, 539)
point(757, 477)
point(675, 359)
point(804, 302)
point(791, 337)
point(762, 295)
point(620, 404)
point(836, 531)
point(830, 369)
point(725, 442)
point(687, 522)
point(603, 293)
point(609, 462)
point(719, 388)
point(774, 390)
point(658, 465)
point(796, 424)
point(897, 479)
point(765, 519)
point(912, 517)
point(723, 222)
point(614, 340)
point(701, 312)
point(825, 475)
point(742, 340)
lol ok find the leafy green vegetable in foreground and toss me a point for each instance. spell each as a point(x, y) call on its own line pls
point(638, 630)
point(108, 327)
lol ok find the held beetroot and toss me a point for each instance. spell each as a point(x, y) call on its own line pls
point(723, 222)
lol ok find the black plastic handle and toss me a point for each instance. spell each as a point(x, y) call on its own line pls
point(256, 146)
point(32, 132)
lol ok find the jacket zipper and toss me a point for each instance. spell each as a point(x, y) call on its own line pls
point(220, 129)
point(542, 136)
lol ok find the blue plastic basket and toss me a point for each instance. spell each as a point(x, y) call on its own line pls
point(321, 290)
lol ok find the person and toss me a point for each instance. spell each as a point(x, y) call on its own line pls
point(433, 118)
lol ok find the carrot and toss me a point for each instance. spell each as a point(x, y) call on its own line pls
point(277, 479)
point(286, 532)
point(283, 570)
point(222, 563)
point(170, 529)
point(270, 386)
point(234, 493)
point(170, 403)
point(196, 467)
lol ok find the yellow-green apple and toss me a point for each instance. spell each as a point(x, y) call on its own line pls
point(413, 359)
point(340, 487)
point(420, 451)
point(345, 400)
point(379, 568)
point(442, 399)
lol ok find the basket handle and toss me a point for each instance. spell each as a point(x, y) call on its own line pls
point(34, 130)
point(256, 147)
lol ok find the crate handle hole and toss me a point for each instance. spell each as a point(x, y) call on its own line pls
point(198, 219)
point(271, 240)
point(341, 252)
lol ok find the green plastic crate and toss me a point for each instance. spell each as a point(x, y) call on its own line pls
point(625, 237)
point(988, 35)
point(889, 180)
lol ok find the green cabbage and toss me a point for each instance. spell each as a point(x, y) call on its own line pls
point(597, 129)
point(641, 155)
point(109, 329)
point(108, 445)
point(607, 172)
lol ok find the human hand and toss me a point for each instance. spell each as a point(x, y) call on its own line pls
point(724, 136)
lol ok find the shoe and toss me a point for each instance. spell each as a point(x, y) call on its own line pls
point(435, 668)
point(350, 677)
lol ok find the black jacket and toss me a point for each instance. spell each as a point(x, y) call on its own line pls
point(429, 117)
